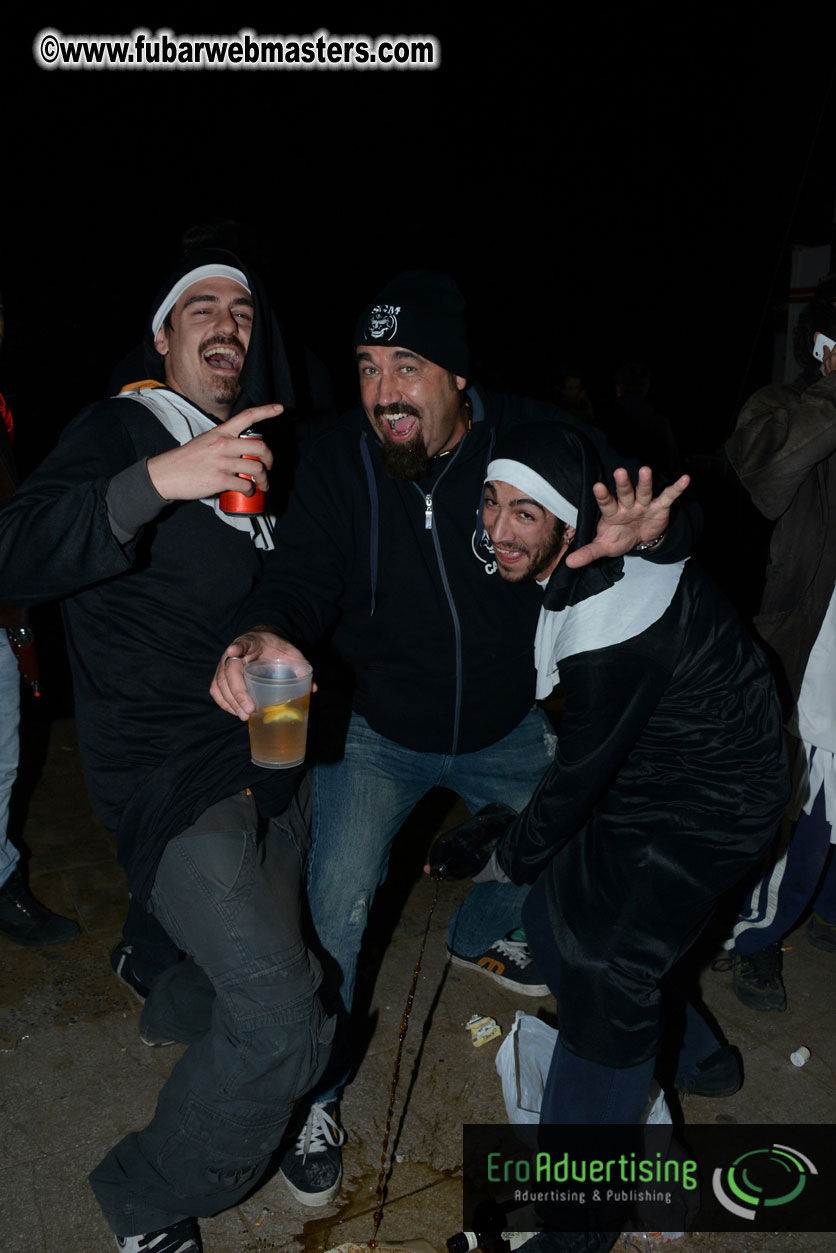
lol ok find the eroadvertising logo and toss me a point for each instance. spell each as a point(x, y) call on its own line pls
point(697, 1177)
point(762, 1177)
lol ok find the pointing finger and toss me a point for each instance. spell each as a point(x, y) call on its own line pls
point(248, 416)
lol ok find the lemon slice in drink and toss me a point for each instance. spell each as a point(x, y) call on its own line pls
point(281, 713)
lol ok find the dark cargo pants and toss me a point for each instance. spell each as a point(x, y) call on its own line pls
point(232, 901)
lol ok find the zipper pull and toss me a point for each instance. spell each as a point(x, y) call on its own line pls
point(428, 513)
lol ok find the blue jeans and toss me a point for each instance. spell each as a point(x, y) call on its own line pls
point(361, 801)
point(9, 749)
point(232, 900)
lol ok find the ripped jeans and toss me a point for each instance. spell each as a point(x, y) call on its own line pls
point(232, 900)
point(360, 802)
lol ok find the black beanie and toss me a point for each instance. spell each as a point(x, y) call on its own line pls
point(423, 311)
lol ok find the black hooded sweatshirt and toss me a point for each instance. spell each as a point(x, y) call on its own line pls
point(439, 646)
point(148, 617)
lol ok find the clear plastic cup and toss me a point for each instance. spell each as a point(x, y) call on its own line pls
point(279, 726)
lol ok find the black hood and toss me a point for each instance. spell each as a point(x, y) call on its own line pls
point(265, 377)
point(571, 465)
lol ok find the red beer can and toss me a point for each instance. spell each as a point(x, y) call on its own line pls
point(239, 502)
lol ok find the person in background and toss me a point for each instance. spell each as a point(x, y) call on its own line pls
point(572, 396)
point(23, 919)
point(784, 452)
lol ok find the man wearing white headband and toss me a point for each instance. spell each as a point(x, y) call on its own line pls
point(668, 784)
point(122, 522)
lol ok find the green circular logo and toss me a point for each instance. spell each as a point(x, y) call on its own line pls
point(762, 1178)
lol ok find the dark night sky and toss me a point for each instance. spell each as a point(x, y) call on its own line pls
point(617, 183)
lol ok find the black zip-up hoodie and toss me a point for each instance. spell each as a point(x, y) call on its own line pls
point(440, 647)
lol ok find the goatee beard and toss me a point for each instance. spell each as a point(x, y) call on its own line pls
point(227, 391)
point(405, 462)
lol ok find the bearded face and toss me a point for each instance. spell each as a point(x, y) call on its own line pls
point(205, 343)
point(528, 541)
point(415, 407)
point(405, 461)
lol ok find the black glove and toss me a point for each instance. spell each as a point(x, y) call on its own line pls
point(463, 851)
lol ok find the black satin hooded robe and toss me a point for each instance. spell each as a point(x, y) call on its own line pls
point(669, 781)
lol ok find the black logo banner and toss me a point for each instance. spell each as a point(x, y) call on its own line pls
point(718, 1177)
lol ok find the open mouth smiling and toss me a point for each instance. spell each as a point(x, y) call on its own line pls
point(402, 421)
point(508, 555)
point(223, 356)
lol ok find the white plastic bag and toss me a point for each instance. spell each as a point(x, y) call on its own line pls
point(522, 1063)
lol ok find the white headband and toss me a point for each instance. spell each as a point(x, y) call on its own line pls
point(195, 276)
point(529, 481)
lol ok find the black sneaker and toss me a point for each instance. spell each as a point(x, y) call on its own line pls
point(313, 1167)
point(757, 979)
point(120, 960)
point(509, 963)
point(720, 1074)
point(183, 1237)
point(822, 934)
point(26, 921)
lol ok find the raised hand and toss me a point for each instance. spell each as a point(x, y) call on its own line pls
point(633, 516)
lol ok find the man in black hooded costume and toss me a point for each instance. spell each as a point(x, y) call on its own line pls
point(668, 782)
point(122, 523)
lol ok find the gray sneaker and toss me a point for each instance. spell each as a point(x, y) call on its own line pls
point(509, 963)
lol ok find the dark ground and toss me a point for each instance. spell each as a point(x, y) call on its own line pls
point(76, 1076)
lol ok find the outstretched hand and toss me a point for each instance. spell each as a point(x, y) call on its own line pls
point(630, 517)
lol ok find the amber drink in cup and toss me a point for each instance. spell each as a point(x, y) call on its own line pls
point(279, 725)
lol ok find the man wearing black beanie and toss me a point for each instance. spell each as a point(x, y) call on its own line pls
point(383, 545)
point(422, 309)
